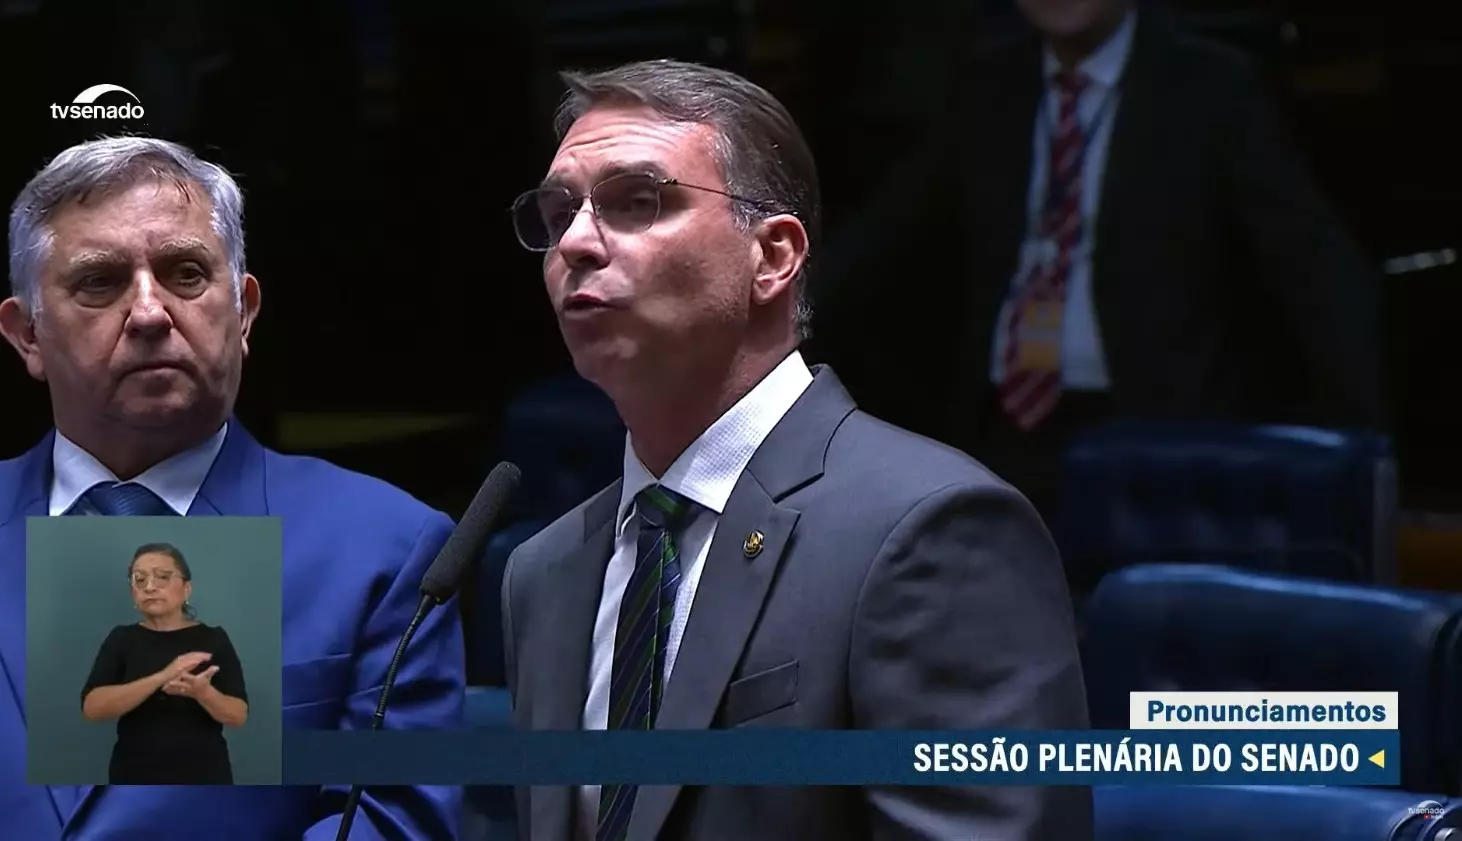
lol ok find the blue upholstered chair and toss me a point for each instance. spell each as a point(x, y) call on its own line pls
point(1272, 813)
point(1278, 498)
point(1207, 628)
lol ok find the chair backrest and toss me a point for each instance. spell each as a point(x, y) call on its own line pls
point(489, 813)
point(1270, 813)
point(1280, 498)
point(488, 708)
point(566, 436)
point(1204, 628)
point(488, 608)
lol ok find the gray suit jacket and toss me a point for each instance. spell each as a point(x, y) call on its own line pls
point(901, 586)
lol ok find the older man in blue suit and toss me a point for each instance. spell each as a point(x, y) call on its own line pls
point(132, 303)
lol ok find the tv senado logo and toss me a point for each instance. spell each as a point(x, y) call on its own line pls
point(1428, 809)
point(85, 106)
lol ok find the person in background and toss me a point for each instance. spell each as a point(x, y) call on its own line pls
point(170, 682)
point(1138, 237)
point(132, 303)
point(844, 573)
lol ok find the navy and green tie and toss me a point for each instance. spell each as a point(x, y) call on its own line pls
point(637, 680)
point(121, 499)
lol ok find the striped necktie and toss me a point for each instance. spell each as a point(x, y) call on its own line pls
point(637, 680)
point(1031, 386)
point(122, 499)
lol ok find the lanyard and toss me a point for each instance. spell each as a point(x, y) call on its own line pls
point(1048, 125)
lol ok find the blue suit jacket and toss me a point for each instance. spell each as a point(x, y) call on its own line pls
point(355, 549)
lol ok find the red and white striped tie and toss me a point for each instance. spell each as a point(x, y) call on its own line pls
point(1031, 387)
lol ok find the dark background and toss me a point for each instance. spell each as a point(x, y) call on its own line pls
point(379, 144)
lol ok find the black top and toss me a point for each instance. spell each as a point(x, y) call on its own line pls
point(167, 739)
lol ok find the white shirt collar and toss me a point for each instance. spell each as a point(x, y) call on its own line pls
point(710, 467)
point(1105, 65)
point(176, 479)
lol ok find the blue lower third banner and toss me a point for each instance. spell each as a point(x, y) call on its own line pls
point(843, 757)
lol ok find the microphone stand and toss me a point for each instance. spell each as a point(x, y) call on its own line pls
point(352, 800)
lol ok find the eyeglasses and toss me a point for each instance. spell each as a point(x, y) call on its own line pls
point(628, 203)
point(162, 576)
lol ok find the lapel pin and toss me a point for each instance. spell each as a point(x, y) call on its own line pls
point(753, 544)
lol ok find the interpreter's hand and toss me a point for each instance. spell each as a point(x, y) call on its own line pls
point(185, 663)
point(191, 686)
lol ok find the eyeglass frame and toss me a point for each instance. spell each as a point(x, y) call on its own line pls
point(161, 576)
point(658, 181)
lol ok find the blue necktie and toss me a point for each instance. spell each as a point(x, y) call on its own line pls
point(641, 639)
point(119, 499)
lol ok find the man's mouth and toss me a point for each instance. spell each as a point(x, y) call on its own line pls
point(579, 302)
point(153, 367)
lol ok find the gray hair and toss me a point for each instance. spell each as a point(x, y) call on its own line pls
point(105, 166)
point(759, 149)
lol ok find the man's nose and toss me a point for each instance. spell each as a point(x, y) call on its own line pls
point(583, 241)
point(148, 312)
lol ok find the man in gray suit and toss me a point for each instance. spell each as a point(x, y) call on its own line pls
point(772, 557)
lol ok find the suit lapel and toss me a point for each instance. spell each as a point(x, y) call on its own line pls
point(1008, 166)
point(1130, 161)
point(733, 586)
point(234, 486)
point(728, 601)
point(1004, 115)
point(560, 672)
point(29, 500)
point(12, 603)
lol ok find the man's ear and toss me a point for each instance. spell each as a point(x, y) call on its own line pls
point(780, 253)
point(249, 299)
point(19, 329)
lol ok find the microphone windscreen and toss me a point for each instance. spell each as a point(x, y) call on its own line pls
point(467, 541)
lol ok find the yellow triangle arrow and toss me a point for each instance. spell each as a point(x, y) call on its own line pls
point(1379, 757)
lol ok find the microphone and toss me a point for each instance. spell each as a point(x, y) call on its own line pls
point(441, 580)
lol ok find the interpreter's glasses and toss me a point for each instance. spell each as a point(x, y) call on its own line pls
point(628, 203)
point(163, 577)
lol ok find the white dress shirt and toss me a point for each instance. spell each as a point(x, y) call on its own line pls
point(176, 479)
point(705, 474)
point(1083, 364)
